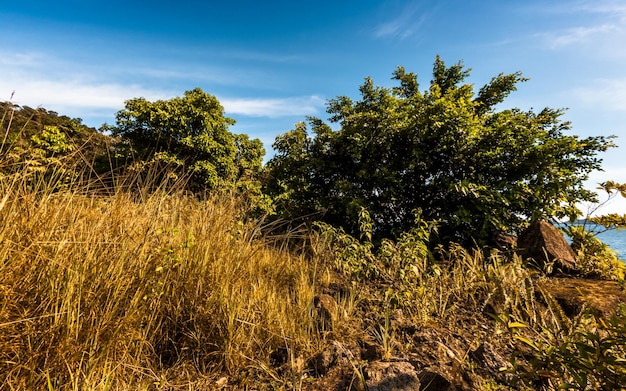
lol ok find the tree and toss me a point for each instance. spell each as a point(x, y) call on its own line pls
point(446, 153)
point(190, 134)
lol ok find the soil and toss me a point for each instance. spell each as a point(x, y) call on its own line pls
point(452, 356)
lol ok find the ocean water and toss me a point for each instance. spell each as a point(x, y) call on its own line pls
point(616, 240)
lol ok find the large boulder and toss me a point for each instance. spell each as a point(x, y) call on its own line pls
point(544, 244)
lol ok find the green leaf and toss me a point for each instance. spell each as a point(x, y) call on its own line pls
point(526, 341)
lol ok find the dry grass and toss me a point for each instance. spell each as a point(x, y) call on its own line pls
point(112, 293)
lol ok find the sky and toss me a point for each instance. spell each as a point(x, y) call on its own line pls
point(272, 63)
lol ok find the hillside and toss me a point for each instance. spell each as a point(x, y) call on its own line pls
point(161, 256)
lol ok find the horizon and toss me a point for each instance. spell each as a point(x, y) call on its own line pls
point(271, 65)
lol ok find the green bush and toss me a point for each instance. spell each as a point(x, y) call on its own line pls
point(592, 356)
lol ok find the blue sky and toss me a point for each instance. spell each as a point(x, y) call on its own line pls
point(273, 63)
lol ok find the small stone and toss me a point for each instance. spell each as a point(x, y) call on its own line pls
point(322, 362)
point(391, 376)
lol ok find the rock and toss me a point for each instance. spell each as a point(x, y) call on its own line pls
point(333, 355)
point(325, 310)
point(503, 241)
point(323, 361)
point(544, 243)
point(602, 297)
point(371, 351)
point(340, 378)
point(434, 381)
point(391, 376)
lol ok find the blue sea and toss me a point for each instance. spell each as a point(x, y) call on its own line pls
point(616, 240)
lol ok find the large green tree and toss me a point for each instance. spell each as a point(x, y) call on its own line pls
point(190, 134)
point(447, 152)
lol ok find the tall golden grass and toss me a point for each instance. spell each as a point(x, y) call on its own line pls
point(115, 293)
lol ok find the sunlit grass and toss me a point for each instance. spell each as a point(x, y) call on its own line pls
point(110, 292)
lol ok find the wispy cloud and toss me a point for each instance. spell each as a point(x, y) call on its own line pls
point(87, 91)
point(271, 107)
point(85, 99)
point(407, 24)
point(71, 95)
point(43, 80)
point(616, 8)
point(579, 35)
point(600, 23)
point(604, 94)
point(20, 59)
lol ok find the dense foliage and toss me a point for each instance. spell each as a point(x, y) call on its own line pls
point(190, 136)
point(446, 151)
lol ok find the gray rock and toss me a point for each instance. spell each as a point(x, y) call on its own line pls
point(334, 354)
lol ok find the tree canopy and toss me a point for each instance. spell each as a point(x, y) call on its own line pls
point(446, 153)
point(191, 134)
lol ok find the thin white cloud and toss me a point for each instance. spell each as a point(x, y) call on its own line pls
point(403, 26)
point(281, 107)
point(20, 59)
point(601, 25)
point(579, 35)
point(74, 96)
point(40, 81)
point(604, 94)
point(616, 8)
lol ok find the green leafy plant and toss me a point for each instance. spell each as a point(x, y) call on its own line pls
point(595, 257)
point(593, 356)
point(587, 353)
point(447, 150)
point(188, 137)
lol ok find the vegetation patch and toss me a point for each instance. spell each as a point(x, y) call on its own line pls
point(159, 253)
